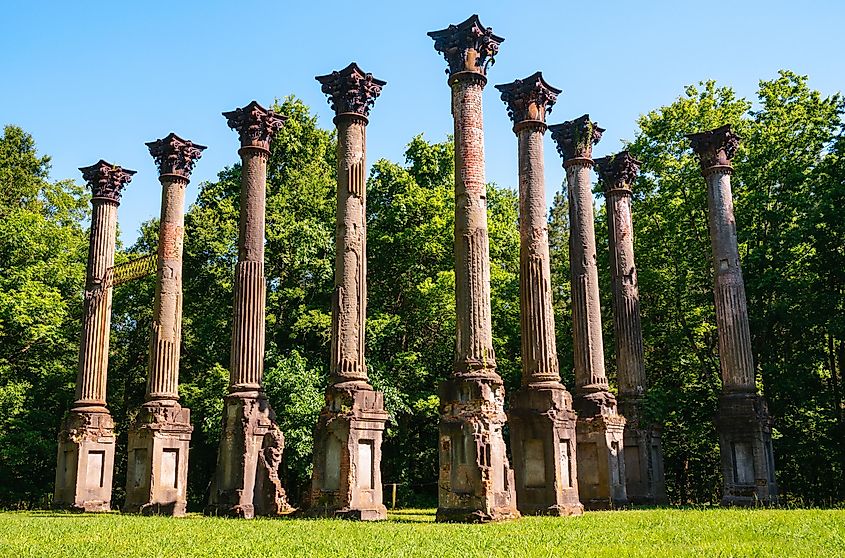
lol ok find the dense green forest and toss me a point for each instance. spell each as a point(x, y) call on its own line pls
point(789, 189)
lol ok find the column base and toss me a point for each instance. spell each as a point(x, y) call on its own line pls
point(476, 481)
point(346, 482)
point(542, 426)
point(246, 482)
point(645, 480)
point(600, 431)
point(85, 462)
point(157, 462)
point(745, 443)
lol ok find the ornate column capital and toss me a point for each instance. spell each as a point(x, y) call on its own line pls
point(106, 181)
point(255, 125)
point(715, 148)
point(529, 100)
point(174, 156)
point(467, 46)
point(618, 172)
point(351, 91)
point(575, 138)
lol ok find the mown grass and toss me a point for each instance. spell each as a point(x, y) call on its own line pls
point(656, 532)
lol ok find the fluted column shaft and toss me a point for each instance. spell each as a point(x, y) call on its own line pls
point(96, 320)
point(349, 312)
point(586, 309)
point(539, 352)
point(627, 327)
point(247, 362)
point(474, 353)
point(163, 367)
point(731, 308)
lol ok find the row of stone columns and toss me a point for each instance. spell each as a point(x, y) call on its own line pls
point(569, 453)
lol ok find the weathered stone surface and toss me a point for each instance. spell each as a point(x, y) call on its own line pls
point(744, 423)
point(645, 483)
point(246, 481)
point(542, 422)
point(159, 437)
point(476, 482)
point(346, 481)
point(86, 440)
point(599, 431)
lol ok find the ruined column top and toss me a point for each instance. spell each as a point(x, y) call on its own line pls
point(468, 48)
point(575, 139)
point(255, 125)
point(351, 91)
point(175, 157)
point(715, 148)
point(618, 172)
point(106, 181)
point(529, 100)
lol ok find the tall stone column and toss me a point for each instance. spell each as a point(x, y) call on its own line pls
point(160, 435)
point(246, 482)
point(542, 422)
point(744, 424)
point(86, 442)
point(600, 428)
point(476, 481)
point(644, 478)
point(346, 481)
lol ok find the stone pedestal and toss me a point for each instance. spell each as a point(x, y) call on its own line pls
point(160, 435)
point(157, 467)
point(246, 482)
point(86, 443)
point(644, 478)
point(542, 427)
point(476, 481)
point(599, 430)
point(85, 462)
point(347, 454)
point(745, 439)
point(542, 422)
point(744, 424)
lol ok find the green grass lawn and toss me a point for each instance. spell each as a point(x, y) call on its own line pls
point(657, 532)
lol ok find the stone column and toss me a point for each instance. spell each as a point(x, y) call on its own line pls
point(346, 481)
point(246, 482)
point(542, 422)
point(476, 481)
point(599, 430)
point(86, 438)
point(644, 478)
point(160, 435)
point(744, 424)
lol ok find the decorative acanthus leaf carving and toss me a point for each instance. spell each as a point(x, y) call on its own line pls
point(106, 181)
point(715, 147)
point(255, 124)
point(618, 171)
point(351, 90)
point(529, 99)
point(174, 155)
point(575, 138)
point(467, 46)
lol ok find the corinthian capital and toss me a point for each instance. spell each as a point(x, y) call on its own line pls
point(467, 46)
point(619, 171)
point(175, 156)
point(106, 181)
point(715, 147)
point(255, 125)
point(529, 99)
point(351, 90)
point(575, 138)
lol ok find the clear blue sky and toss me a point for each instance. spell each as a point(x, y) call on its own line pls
point(93, 80)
